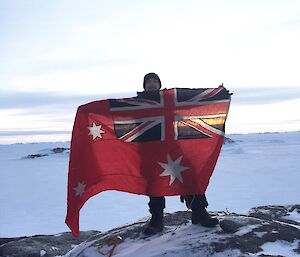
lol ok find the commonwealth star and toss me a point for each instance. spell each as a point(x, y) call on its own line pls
point(80, 189)
point(173, 169)
point(95, 131)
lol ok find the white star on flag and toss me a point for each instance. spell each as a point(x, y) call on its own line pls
point(95, 131)
point(173, 169)
point(80, 189)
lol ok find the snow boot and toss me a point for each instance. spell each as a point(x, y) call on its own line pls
point(156, 208)
point(201, 216)
point(156, 223)
point(198, 204)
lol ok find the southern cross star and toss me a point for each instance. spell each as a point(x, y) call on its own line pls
point(80, 189)
point(95, 131)
point(173, 169)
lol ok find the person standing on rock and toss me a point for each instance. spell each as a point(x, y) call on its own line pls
point(197, 203)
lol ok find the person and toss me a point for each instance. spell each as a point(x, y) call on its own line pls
point(197, 203)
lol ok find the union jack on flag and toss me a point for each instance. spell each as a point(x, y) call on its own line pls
point(150, 128)
point(144, 129)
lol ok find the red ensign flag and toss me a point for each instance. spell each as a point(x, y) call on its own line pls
point(158, 144)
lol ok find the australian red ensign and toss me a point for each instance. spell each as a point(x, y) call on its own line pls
point(158, 144)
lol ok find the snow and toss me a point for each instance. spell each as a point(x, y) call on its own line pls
point(294, 215)
point(177, 243)
point(260, 234)
point(280, 248)
point(246, 229)
point(79, 248)
point(42, 253)
point(259, 169)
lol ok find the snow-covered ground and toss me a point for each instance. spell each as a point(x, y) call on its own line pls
point(259, 169)
point(183, 241)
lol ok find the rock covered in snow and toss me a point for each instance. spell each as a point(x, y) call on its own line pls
point(42, 245)
point(265, 231)
point(48, 152)
point(228, 140)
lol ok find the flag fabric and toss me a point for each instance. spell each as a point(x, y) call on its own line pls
point(159, 143)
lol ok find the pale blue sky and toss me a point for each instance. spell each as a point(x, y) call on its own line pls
point(55, 55)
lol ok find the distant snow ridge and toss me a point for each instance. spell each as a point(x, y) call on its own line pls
point(57, 150)
point(48, 152)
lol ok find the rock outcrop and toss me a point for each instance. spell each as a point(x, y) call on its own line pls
point(254, 234)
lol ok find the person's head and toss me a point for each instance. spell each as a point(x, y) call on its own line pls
point(151, 82)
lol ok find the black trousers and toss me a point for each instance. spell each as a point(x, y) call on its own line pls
point(192, 201)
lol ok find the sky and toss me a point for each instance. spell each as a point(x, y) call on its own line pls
point(56, 55)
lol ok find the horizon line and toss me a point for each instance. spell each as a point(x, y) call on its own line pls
point(61, 135)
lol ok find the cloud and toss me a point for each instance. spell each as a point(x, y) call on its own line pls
point(42, 113)
point(41, 102)
point(33, 132)
point(293, 22)
point(27, 101)
point(52, 63)
point(254, 96)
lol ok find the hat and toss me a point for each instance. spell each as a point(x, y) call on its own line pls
point(151, 75)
